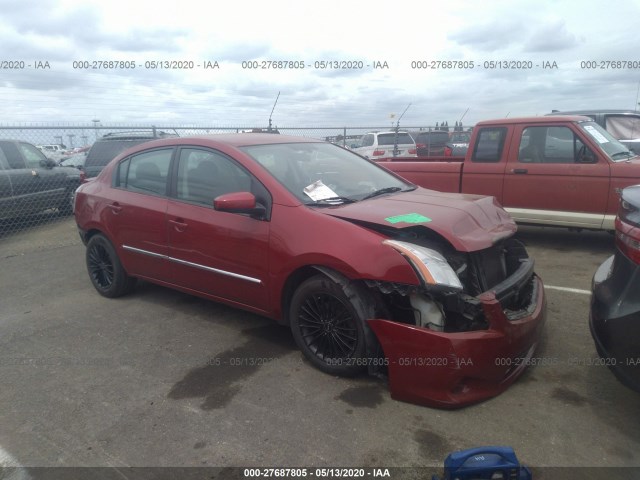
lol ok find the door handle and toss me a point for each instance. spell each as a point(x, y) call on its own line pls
point(178, 224)
point(115, 208)
point(520, 171)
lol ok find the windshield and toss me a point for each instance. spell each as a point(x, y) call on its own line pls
point(460, 137)
point(390, 139)
point(616, 151)
point(324, 174)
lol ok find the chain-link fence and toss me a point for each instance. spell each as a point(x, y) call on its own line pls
point(41, 166)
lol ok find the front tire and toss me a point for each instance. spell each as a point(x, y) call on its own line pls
point(105, 270)
point(328, 321)
point(66, 206)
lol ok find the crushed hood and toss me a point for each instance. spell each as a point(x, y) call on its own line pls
point(468, 222)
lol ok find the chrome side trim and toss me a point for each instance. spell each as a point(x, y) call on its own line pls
point(144, 252)
point(191, 264)
point(560, 218)
point(216, 270)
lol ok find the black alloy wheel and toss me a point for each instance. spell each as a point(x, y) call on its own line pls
point(105, 270)
point(328, 327)
point(327, 322)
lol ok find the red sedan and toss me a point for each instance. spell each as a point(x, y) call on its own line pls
point(369, 271)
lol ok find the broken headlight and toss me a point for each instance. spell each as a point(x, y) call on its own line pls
point(431, 267)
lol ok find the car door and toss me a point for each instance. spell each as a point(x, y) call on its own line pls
point(218, 253)
point(50, 181)
point(25, 174)
point(135, 213)
point(554, 177)
point(7, 203)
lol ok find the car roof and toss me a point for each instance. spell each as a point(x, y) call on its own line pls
point(136, 134)
point(593, 112)
point(542, 120)
point(386, 132)
point(231, 139)
point(11, 140)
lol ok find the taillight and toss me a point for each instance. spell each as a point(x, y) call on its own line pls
point(629, 246)
point(378, 153)
point(448, 151)
point(421, 145)
point(412, 151)
point(628, 240)
point(628, 213)
point(628, 223)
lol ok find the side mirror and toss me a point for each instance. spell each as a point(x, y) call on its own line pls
point(47, 163)
point(239, 202)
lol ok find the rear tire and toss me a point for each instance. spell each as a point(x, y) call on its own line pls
point(105, 270)
point(328, 321)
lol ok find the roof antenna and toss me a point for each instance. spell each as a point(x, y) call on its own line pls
point(395, 138)
point(274, 107)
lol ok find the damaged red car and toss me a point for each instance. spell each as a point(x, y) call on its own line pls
point(371, 272)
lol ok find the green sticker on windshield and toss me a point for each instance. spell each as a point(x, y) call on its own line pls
point(408, 218)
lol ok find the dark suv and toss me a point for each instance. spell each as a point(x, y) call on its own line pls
point(430, 143)
point(110, 145)
point(30, 182)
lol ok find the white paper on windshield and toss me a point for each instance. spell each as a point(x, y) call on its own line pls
point(596, 134)
point(319, 191)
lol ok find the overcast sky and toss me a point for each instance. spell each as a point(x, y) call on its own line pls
point(533, 33)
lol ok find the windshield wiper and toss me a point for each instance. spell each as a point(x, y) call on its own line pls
point(628, 153)
point(382, 191)
point(330, 201)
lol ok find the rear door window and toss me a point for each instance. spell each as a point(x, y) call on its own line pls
point(14, 158)
point(489, 145)
point(146, 172)
point(4, 163)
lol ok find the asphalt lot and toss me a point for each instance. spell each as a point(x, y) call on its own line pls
point(88, 381)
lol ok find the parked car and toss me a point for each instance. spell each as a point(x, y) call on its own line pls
point(107, 147)
point(54, 152)
point(386, 144)
point(623, 125)
point(368, 270)
point(614, 317)
point(76, 160)
point(30, 182)
point(457, 145)
point(430, 143)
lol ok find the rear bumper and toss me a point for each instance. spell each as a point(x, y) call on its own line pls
point(450, 370)
point(614, 317)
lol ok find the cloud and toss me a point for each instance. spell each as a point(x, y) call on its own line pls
point(489, 37)
point(551, 38)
